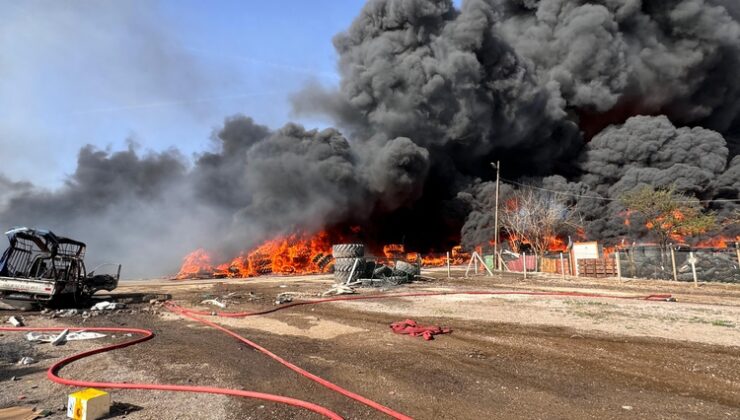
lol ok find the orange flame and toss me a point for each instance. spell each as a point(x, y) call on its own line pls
point(291, 254)
point(194, 264)
point(722, 242)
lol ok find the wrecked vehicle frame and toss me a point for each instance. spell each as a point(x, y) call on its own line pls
point(39, 266)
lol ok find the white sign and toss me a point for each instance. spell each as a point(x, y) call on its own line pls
point(584, 251)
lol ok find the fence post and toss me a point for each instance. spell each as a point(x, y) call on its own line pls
point(619, 265)
point(525, 264)
point(448, 264)
point(467, 270)
point(692, 261)
point(562, 266)
point(673, 263)
point(737, 251)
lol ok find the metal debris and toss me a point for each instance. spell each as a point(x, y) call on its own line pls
point(27, 361)
point(213, 302)
point(73, 336)
point(16, 321)
point(107, 306)
point(60, 339)
point(339, 289)
point(283, 298)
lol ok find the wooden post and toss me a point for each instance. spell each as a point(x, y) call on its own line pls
point(501, 263)
point(475, 261)
point(692, 261)
point(673, 263)
point(562, 266)
point(619, 264)
point(525, 264)
point(737, 251)
point(448, 264)
point(467, 270)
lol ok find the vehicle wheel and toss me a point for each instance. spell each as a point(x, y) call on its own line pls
point(406, 268)
point(348, 250)
point(344, 276)
point(346, 264)
point(382, 271)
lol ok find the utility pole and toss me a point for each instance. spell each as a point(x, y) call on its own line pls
point(496, 165)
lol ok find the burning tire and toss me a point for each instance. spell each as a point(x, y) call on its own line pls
point(346, 264)
point(411, 270)
point(348, 251)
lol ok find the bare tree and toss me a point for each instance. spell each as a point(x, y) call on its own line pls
point(537, 217)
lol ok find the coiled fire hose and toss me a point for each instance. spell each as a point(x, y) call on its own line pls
point(144, 335)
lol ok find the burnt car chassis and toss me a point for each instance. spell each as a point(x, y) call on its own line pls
point(39, 266)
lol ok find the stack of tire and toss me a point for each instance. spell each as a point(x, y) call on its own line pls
point(345, 257)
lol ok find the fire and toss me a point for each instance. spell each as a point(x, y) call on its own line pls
point(398, 252)
point(195, 263)
point(458, 256)
point(556, 244)
point(291, 254)
point(296, 254)
point(394, 251)
point(722, 242)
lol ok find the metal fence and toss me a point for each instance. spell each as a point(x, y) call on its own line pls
point(652, 262)
point(639, 261)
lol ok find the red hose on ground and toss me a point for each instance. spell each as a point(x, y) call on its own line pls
point(419, 294)
point(291, 366)
point(53, 371)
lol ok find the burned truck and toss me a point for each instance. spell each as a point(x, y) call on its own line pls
point(41, 267)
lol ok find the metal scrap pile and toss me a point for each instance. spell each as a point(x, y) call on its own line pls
point(352, 268)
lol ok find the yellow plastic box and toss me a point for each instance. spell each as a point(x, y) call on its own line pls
point(88, 404)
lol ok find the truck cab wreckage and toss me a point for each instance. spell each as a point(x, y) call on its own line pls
point(43, 268)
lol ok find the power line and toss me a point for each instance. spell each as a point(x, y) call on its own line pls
point(596, 197)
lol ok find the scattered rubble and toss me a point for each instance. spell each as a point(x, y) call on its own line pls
point(106, 306)
point(339, 289)
point(64, 313)
point(72, 336)
point(213, 302)
point(283, 298)
point(16, 321)
point(27, 361)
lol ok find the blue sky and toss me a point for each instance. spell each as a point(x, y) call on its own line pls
point(163, 74)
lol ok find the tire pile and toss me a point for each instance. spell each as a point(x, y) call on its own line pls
point(346, 256)
point(368, 273)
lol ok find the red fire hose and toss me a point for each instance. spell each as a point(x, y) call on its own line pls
point(145, 335)
point(654, 297)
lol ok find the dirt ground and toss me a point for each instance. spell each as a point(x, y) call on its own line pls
point(509, 356)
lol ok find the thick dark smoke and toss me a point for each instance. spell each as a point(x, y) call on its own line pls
point(446, 80)
point(612, 59)
point(651, 151)
point(430, 95)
